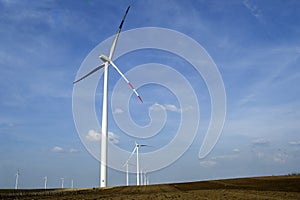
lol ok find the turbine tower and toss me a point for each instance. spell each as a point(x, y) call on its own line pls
point(62, 182)
point(127, 173)
point(127, 176)
point(17, 179)
point(107, 61)
point(45, 182)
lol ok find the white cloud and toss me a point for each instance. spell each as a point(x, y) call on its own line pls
point(208, 163)
point(57, 149)
point(94, 136)
point(118, 111)
point(157, 107)
point(236, 150)
point(71, 150)
point(294, 142)
point(113, 138)
point(255, 11)
point(225, 157)
point(169, 107)
point(261, 142)
point(172, 108)
point(214, 160)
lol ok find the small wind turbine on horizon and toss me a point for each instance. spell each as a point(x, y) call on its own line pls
point(127, 174)
point(62, 182)
point(145, 177)
point(17, 179)
point(45, 182)
point(107, 61)
point(136, 149)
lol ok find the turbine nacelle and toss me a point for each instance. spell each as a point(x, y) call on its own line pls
point(104, 58)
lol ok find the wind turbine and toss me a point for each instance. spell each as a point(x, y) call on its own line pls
point(17, 179)
point(45, 183)
point(146, 177)
point(127, 176)
point(127, 165)
point(142, 177)
point(107, 61)
point(62, 182)
point(136, 149)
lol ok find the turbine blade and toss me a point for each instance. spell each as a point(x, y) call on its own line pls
point(127, 81)
point(113, 46)
point(127, 161)
point(132, 153)
point(121, 24)
point(91, 72)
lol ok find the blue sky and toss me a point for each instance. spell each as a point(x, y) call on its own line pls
point(255, 45)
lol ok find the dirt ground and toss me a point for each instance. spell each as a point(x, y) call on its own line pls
point(275, 187)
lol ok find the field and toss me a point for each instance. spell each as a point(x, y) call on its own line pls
point(273, 187)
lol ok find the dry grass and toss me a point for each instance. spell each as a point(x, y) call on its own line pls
point(275, 187)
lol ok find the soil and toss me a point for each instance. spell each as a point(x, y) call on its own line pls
point(274, 187)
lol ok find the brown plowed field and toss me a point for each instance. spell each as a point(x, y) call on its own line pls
point(275, 187)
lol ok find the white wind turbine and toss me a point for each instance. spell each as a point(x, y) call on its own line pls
point(136, 149)
point(17, 179)
point(107, 61)
point(45, 182)
point(127, 165)
point(127, 176)
point(146, 177)
point(62, 182)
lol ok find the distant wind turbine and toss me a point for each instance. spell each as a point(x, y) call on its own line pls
point(136, 149)
point(62, 182)
point(141, 177)
point(127, 165)
point(45, 182)
point(17, 179)
point(107, 61)
point(146, 177)
point(127, 176)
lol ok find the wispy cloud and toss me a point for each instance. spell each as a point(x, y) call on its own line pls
point(57, 149)
point(113, 138)
point(7, 125)
point(208, 163)
point(213, 161)
point(172, 108)
point(72, 150)
point(94, 136)
point(236, 150)
point(169, 107)
point(261, 142)
point(118, 111)
point(225, 157)
point(254, 10)
point(294, 142)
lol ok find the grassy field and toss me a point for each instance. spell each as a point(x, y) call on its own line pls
point(274, 187)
